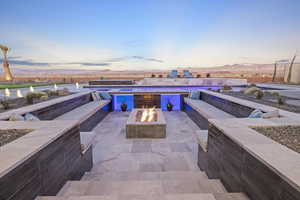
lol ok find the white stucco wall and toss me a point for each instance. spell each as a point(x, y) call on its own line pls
point(295, 75)
point(193, 81)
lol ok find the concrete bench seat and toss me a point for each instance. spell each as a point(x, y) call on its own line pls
point(84, 111)
point(88, 115)
point(206, 110)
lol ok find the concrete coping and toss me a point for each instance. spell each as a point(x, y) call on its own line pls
point(83, 112)
point(206, 110)
point(251, 104)
point(34, 107)
point(280, 159)
point(21, 149)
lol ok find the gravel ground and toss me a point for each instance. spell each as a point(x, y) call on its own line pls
point(266, 100)
point(9, 135)
point(288, 136)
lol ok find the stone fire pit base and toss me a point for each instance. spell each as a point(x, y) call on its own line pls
point(155, 129)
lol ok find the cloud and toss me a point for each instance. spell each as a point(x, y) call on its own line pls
point(147, 59)
point(283, 61)
point(27, 62)
point(88, 64)
point(17, 61)
point(33, 63)
point(126, 58)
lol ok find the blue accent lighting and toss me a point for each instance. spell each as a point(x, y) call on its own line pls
point(174, 99)
point(119, 99)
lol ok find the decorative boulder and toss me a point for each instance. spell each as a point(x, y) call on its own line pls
point(31, 117)
point(271, 114)
point(257, 113)
point(16, 117)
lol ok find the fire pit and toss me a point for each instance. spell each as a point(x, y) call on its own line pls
point(146, 123)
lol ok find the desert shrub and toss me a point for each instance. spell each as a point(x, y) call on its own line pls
point(227, 87)
point(44, 97)
point(252, 85)
point(268, 92)
point(280, 100)
point(5, 103)
point(51, 92)
point(259, 94)
point(275, 94)
point(251, 90)
point(31, 96)
point(63, 92)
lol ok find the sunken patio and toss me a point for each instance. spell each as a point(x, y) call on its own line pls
point(207, 148)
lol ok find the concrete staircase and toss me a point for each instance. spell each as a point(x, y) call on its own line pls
point(141, 169)
point(175, 185)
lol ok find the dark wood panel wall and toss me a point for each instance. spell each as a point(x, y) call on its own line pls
point(147, 101)
point(239, 171)
point(53, 111)
point(230, 107)
point(47, 171)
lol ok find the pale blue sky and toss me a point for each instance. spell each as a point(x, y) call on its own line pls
point(148, 34)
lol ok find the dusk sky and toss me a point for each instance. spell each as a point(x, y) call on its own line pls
point(148, 34)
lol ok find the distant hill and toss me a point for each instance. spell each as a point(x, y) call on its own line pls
point(226, 69)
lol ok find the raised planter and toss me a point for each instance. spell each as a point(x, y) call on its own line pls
point(40, 162)
point(247, 161)
point(51, 109)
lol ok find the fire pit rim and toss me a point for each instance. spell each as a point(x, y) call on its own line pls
point(132, 117)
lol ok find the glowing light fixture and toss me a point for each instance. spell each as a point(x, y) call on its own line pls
point(55, 87)
point(77, 85)
point(7, 92)
point(31, 89)
point(19, 93)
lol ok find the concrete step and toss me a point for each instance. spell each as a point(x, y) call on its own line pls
point(231, 196)
point(143, 176)
point(154, 187)
point(136, 197)
point(187, 196)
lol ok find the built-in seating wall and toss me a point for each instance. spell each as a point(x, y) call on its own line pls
point(196, 117)
point(240, 171)
point(230, 107)
point(45, 172)
point(90, 123)
point(53, 111)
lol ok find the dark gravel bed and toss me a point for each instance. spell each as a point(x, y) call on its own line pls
point(9, 135)
point(288, 136)
point(266, 100)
